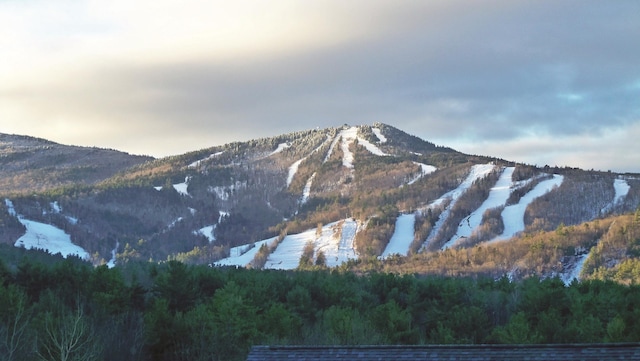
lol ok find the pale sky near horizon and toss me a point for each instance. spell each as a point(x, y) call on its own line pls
point(540, 82)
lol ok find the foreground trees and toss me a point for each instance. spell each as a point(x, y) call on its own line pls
point(67, 310)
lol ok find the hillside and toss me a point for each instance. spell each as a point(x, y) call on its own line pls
point(322, 197)
point(30, 164)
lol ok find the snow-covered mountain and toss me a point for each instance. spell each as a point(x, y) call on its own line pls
point(324, 195)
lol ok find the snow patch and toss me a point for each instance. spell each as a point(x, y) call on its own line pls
point(10, 208)
point(208, 232)
point(112, 261)
point(424, 170)
point(198, 162)
point(182, 187)
point(281, 147)
point(49, 238)
point(241, 256)
point(46, 237)
point(378, 134)
point(55, 207)
point(224, 192)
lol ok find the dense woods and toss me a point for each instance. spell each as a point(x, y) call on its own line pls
point(54, 309)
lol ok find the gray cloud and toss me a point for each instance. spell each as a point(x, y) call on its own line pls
point(449, 71)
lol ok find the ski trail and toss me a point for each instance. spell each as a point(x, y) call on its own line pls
point(402, 236)
point(477, 171)
point(513, 215)
point(293, 169)
point(498, 196)
point(348, 137)
point(306, 193)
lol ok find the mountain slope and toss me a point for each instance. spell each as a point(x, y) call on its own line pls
point(30, 164)
point(322, 195)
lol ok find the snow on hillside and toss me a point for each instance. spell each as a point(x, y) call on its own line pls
point(477, 171)
point(513, 215)
point(424, 170)
point(498, 196)
point(46, 237)
point(224, 192)
point(209, 231)
point(293, 169)
point(241, 256)
point(306, 193)
point(621, 190)
point(402, 236)
point(371, 148)
point(348, 136)
point(575, 270)
point(336, 241)
point(198, 162)
point(379, 134)
point(281, 147)
point(182, 187)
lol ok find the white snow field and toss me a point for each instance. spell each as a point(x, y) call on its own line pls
point(498, 196)
point(477, 171)
point(513, 215)
point(182, 187)
point(336, 241)
point(402, 236)
point(45, 237)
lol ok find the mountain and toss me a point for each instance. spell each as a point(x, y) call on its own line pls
point(357, 197)
point(30, 164)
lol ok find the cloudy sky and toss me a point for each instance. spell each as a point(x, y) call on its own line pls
point(541, 82)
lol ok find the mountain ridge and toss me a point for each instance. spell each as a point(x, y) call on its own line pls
point(30, 164)
point(309, 194)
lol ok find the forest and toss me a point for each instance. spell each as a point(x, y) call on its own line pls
point(65, 309)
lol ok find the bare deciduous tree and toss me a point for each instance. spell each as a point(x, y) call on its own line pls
point(69, 337)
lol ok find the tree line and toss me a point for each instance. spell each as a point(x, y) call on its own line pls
point(54, 309)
